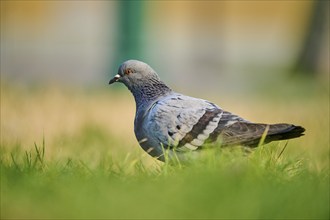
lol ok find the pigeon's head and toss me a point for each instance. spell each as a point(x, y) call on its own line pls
point(134, 73)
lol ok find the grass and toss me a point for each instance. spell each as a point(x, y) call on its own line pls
point(72, 154)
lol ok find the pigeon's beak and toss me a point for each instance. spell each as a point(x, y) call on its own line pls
point(114, 79)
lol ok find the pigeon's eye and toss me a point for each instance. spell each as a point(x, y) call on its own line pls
point(128, 71)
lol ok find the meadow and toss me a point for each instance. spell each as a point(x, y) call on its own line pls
point(71, 153)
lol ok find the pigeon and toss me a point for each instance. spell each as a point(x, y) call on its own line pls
point(167, 121)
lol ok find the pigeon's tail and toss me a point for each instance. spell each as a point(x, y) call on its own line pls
point(284, 132)
point(249, 134)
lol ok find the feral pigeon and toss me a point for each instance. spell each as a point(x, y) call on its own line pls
point(166, 120)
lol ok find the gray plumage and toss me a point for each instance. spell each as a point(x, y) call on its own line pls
point(168, 120)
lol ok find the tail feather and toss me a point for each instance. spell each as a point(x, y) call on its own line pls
point(249, 134)
point(292, 131)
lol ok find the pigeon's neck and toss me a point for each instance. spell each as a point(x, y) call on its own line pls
point(149, 92)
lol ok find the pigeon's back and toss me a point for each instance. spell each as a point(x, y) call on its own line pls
point(181, 123)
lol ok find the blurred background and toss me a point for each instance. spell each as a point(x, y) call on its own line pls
point(243, 55)
point(83, 42)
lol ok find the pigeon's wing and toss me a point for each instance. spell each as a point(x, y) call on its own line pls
point(185, 123)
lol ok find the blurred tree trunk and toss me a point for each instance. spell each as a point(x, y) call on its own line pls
point(308, 59)
point(130, 27)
